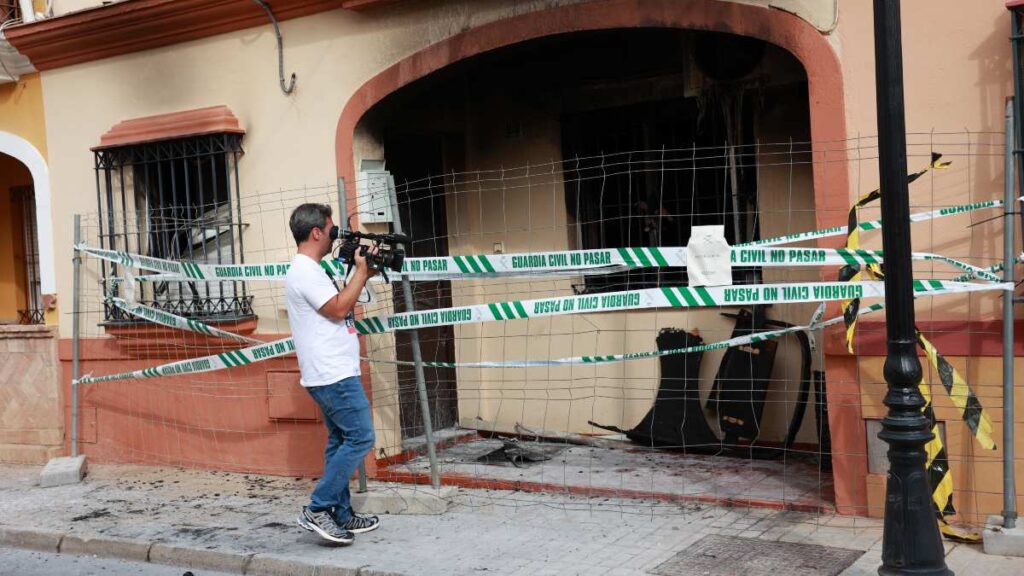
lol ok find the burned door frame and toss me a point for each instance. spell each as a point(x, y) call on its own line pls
point(828, 136)
point(437, 344)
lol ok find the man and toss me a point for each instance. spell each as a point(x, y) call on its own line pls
point(323, 328)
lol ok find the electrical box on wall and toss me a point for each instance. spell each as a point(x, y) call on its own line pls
point(374, 188)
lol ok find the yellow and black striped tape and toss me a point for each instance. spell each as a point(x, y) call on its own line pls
point(940, 477)
point(963, 398)
point(853, 231)
point(851, 308)
point(937, 464)
point(973, 414)
point(853, 273)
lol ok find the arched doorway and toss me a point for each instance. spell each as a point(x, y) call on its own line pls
point(808, 45)
point(28, 351)
point(20, 294)
point(25, 207)
point(823, 118)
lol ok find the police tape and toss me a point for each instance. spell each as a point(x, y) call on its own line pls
point(978, 422)
point(548, 263)
point(937, 466)
point(960, 394)
point(286, 346)
point(875, 224)
point(937, 461)
point(816, 317)
point(666, 297)
point(853, 272)
point(972, 271)
point(606, 261)
point(229, 359)
point(991, 269)
point(853, 230)
point(173, 321)
point(163, 318)
point(575, 360)
point(570, 262)
point(680, 297)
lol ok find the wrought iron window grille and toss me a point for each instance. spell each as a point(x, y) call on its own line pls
point(176, 199)
point(24, 197)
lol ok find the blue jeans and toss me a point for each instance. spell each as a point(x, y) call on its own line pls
point(350, 427)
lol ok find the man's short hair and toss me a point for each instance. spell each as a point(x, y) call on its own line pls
point(305, 218)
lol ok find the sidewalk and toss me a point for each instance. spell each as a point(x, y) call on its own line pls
point(245, 524)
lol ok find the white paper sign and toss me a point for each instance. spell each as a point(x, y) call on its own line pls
point(128, 287)
point(708, 257)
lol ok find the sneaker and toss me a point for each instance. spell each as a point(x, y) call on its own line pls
point(360, 524)
point(323, 524)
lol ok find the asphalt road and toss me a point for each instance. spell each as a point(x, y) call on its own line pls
point(29, 563)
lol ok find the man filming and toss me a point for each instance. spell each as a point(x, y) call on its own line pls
point(323, 328)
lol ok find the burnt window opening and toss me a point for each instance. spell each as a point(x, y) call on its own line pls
point(178, 200)
point(643, 176)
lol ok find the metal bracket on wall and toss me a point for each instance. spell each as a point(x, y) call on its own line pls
point(280, 49)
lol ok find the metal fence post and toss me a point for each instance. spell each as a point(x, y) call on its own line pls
point(1009, 248)
point(343, 218)
point(911, 543)
point(417, 356)
point(76, 260)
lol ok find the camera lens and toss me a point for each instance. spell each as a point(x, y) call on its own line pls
point(395, 260)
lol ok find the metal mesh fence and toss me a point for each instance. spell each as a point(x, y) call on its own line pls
point(565, 347)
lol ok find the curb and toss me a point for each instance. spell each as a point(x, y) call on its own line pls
point(44, 540)
point(173, 555)
point(199, 558)
point(105, 547)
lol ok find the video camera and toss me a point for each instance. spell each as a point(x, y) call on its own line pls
point(389, 254)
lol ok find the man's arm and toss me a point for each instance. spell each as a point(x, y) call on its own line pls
point(340, 306)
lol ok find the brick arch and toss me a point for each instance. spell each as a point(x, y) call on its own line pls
point(807, 44)
point(828, 133)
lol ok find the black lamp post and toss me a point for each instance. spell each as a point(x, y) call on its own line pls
point(911, 543)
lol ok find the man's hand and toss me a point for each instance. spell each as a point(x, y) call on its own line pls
point(362, 264)
point(340, 306)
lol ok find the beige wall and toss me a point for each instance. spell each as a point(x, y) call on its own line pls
point(977, 472)
point(957, 76)
point(290, 139)
point(61, 7)
point(290, 146)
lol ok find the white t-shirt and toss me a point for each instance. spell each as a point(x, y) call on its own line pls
point(328, 351)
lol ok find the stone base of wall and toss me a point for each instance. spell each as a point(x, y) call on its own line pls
point(34, 455)
point(31, 418)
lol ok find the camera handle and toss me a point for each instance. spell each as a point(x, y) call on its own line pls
point(363, 251)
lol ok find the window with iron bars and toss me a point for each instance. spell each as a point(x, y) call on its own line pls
point(178, 200)
point(27, 276)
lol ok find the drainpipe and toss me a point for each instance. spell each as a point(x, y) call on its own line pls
point(1009, 245)
point(911, 543)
